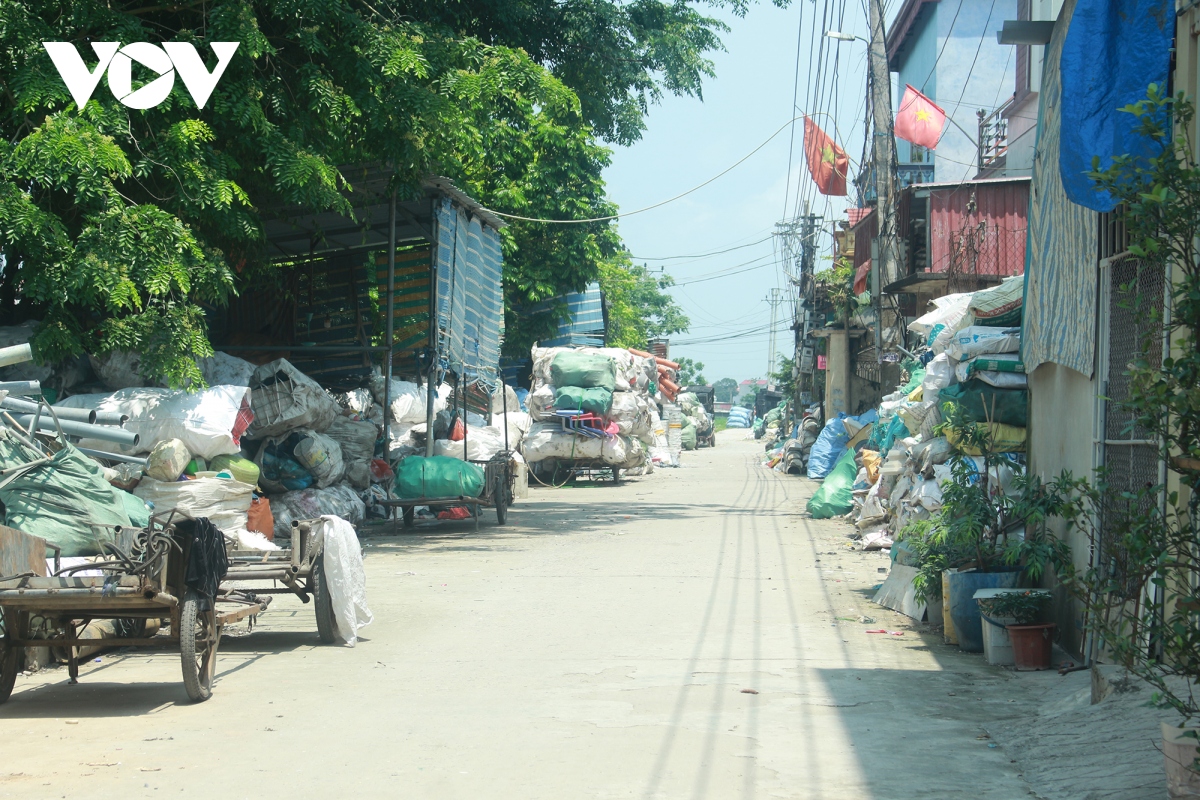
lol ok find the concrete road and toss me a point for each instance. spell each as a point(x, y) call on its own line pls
point(684, 635)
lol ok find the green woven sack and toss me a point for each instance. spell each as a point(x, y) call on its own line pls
point(980, 401)
point(575, 398)
point(687, 435)
point(570, 368)
point(835, 496)
point(242, 469)
point(437, 476)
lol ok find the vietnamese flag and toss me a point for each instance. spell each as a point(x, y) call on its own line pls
point(919, 119)
point(827, 162)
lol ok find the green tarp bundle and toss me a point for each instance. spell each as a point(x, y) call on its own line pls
point(598, 400)
point(65, 501)
point(437, 476)
point(835, 495)
point(588, 371)
point(981, 402)
point(687, 435)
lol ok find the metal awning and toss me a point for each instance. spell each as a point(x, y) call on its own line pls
point(295, 233)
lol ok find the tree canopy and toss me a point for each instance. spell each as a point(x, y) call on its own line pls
point(116, 224)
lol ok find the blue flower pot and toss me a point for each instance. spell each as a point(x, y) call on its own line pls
point(963, 608)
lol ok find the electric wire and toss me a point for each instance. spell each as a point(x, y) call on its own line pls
point(679, 196)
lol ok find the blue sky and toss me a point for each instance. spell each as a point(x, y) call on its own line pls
point(689, 141)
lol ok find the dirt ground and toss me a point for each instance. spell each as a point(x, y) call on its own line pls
point(687, 634)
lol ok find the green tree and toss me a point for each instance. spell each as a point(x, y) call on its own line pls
point(638, 305)
point(725, 390)
point(782, 377)
point(691, 373)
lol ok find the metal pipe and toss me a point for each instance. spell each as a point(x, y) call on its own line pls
point(161, 597)
point(17, 354)
point(27, 407)
point(87, 451)
point(21, 387)
point(102, 432)
point(390, 339)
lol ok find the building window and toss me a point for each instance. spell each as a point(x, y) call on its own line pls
point(917, 154)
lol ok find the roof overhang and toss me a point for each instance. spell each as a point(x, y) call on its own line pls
point(1025, 31)
point(296, 233)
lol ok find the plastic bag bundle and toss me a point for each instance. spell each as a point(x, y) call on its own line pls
point(209, 422)
point(437, 476)
point(167, 460)
point(224, 501)
point(340, 500)
point(285, 399)
point(978, 340)
point(321, 456)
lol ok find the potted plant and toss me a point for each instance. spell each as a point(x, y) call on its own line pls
point(1031, 641)
point(1003, 610)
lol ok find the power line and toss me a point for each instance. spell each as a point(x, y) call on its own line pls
point(701, 255)
point(720, 174)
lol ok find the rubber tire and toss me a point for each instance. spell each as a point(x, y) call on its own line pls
point(616, 479)
point(502, 500)
point(197, 677)
point(410, 516)
point(323, 603)
point(10, 657)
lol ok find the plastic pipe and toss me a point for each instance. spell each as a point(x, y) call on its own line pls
point(103, 433)
point(87, 451)
point(17, 354)
point(21, 387)
point(105, 417)
point(28, 407)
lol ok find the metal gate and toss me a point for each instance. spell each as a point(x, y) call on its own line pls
point(1132, 292)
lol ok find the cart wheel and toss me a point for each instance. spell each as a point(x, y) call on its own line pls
point(502, 500)
point(10, 656)
point(616, 472)
point(197, 647)
point(323, 603)
point(410, 516)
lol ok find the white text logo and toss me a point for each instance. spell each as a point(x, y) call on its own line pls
point(167, 60)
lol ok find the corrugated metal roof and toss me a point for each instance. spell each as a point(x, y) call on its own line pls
point(978, 228)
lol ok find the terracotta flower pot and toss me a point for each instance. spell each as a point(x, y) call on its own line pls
point(1032, 645)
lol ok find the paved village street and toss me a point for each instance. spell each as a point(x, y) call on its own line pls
point(688, 635)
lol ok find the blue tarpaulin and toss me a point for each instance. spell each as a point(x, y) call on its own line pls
point(1114, 50)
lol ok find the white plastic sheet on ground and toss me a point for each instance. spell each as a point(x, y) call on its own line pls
point(204, 421)
point(344, 577)
point(222, 500)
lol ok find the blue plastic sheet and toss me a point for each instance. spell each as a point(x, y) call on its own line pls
point(1113, 51)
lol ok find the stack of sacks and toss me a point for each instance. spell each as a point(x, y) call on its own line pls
point(694, 411)
point(407, 407)
point(614, 384)
point(739, 417)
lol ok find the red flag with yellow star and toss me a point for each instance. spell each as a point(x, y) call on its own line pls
point(919, 119)
point(827, 162)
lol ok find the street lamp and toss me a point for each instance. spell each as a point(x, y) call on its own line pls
point(846, 37)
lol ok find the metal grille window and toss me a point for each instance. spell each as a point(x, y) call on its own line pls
point(1133, 293)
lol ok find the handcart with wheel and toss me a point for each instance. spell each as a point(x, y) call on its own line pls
point(298, 569)
point(147, 578)
point(497, 493)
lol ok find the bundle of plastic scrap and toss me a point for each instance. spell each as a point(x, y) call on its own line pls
point(739, 417)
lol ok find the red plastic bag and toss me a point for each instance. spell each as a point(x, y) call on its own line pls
point(458, 432)
point(458, 512)
point(259, 518)
point(381, 472)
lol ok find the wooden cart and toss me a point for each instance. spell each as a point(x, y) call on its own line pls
point(147, 580)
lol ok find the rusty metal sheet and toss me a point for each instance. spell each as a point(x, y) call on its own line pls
point(21, 553)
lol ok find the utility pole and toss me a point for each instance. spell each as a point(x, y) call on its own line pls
point(774, 298)
point(884, 157)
